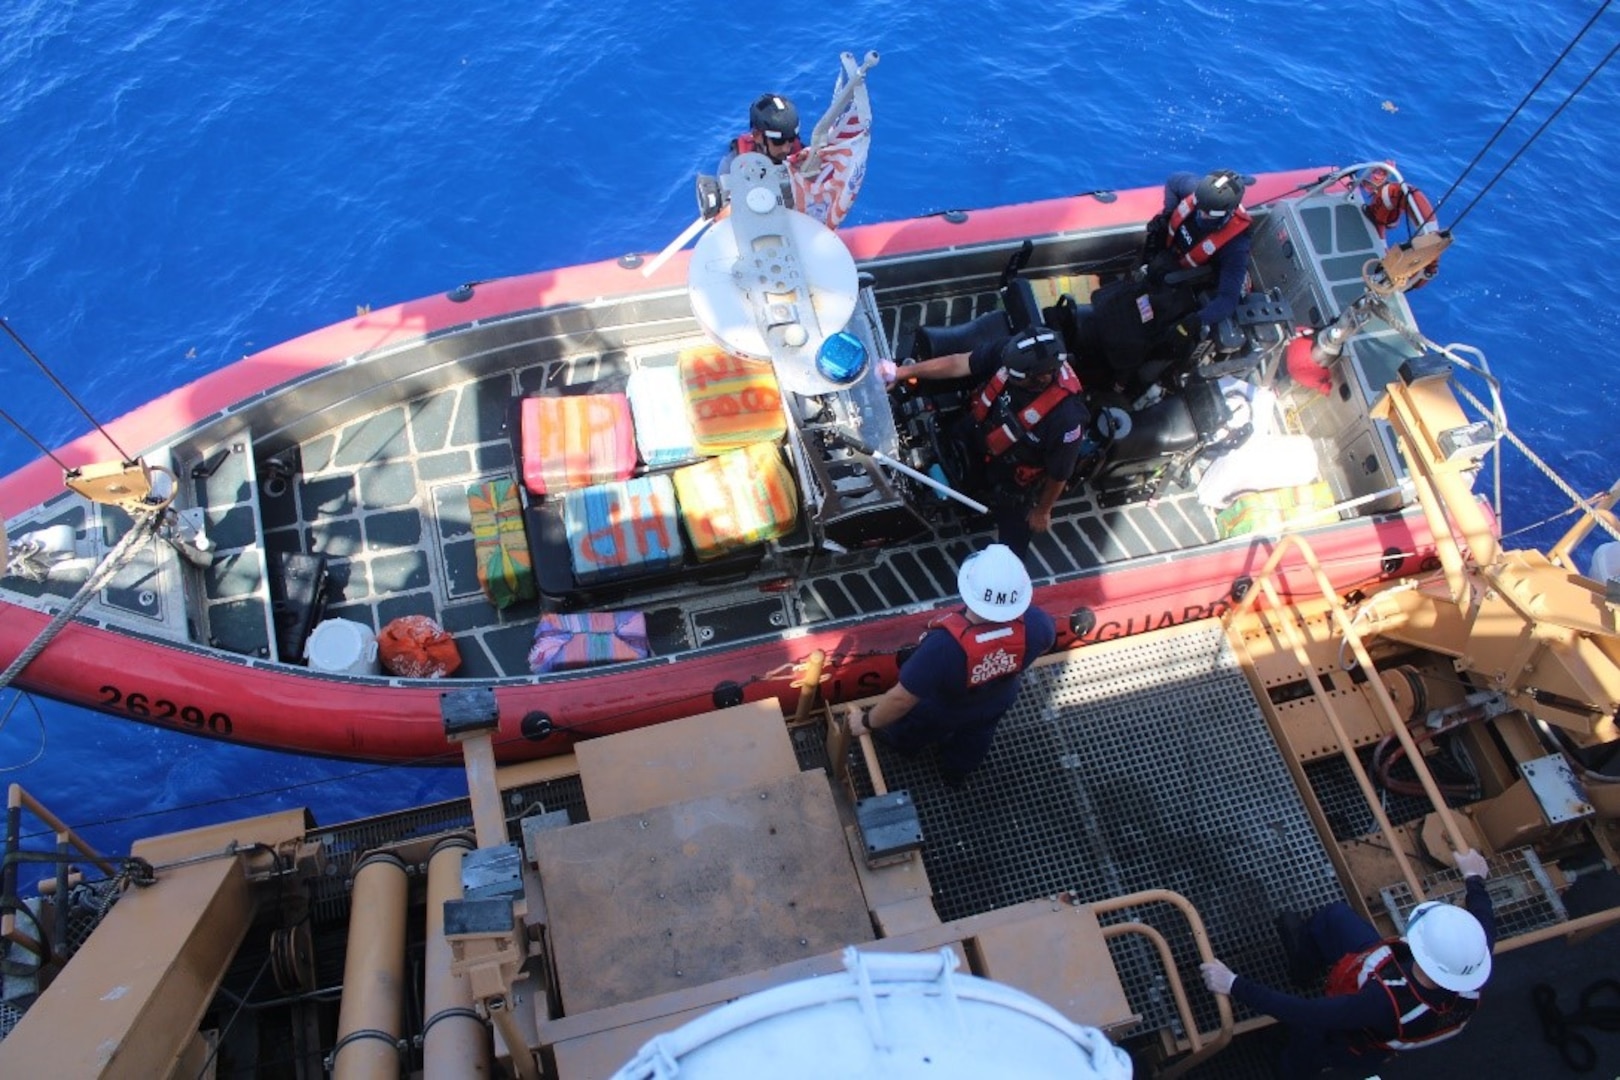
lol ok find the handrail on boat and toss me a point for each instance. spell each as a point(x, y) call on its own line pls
point(1201, 1049)
point(1264, 583)
point(18, 800)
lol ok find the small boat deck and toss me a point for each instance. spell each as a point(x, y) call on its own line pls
point(384, 499)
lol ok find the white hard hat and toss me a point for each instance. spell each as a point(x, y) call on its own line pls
point(994, 584)
point(1449, 945)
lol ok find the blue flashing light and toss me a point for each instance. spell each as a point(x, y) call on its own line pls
point(841, 358)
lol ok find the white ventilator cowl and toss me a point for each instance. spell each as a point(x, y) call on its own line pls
point(1449, 944)
point(994, 584)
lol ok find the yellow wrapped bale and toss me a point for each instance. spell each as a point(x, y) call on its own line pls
point(1267, 512)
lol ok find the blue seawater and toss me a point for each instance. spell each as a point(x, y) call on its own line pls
point(186, 184)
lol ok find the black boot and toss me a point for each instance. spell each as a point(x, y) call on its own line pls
point(1305, 966)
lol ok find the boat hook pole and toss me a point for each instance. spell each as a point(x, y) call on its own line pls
point(876, 455)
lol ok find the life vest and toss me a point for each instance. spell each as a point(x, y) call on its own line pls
point(1419, 1022)
point(1388, 200)
point(1196, 253)
point(746, 144)
point(1003, 435)
point(995, 651)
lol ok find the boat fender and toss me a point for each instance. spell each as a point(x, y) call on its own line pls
point(728, 694)
point(1302, 365)
point(1082, 621)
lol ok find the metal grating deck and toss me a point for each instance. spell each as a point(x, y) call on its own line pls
point(1346, 810)
point(1522, 895)
point(1145, 764)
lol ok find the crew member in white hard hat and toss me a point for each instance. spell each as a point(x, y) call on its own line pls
point(965, 673)
point(1383, 996)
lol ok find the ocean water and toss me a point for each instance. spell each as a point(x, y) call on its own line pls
point(186, 184)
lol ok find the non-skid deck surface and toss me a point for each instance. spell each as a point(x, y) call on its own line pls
point(384, 498)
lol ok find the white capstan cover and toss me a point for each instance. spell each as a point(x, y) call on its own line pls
point(893, 1016)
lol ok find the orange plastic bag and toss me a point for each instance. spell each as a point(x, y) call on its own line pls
point(416, 647)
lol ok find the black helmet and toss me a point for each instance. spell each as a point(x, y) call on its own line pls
point(775, 117)
point(1219, 193)
point(1033, 352)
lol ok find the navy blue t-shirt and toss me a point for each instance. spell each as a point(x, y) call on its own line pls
point(1060, 431)
point(937, 672)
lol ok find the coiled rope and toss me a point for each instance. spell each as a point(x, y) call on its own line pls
point(145, 526)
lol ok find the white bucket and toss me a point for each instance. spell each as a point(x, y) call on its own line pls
point(343, 645)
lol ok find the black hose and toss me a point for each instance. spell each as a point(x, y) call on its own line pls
point(1557, 1026)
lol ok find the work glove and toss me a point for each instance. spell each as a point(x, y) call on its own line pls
point(1472, 864)
point(1218, 978)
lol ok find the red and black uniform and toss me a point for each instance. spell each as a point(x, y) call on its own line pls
point(1020, 437)
point(1422, 1015)
point(1186, 244)
point(1375, 1005)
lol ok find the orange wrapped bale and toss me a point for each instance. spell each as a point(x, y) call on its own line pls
point(732, 402)
point(416, 647)
point(740, 498)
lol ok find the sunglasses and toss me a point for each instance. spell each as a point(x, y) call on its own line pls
point(784, 141)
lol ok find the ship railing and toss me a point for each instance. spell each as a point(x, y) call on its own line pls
point(1200, 1045)
point(1571, 929)
point(1594, 511)
point(67, 842)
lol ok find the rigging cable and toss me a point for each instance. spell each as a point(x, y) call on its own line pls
point(145, 525)
point(1501, 128)
point(25, 433)
point(51, 375)
point(39, 718)
point(1538, 133)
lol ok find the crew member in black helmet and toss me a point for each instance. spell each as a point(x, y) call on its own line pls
point(1203, 224)
point(1138, 327)
point(773, 130)
point(1022, 435)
